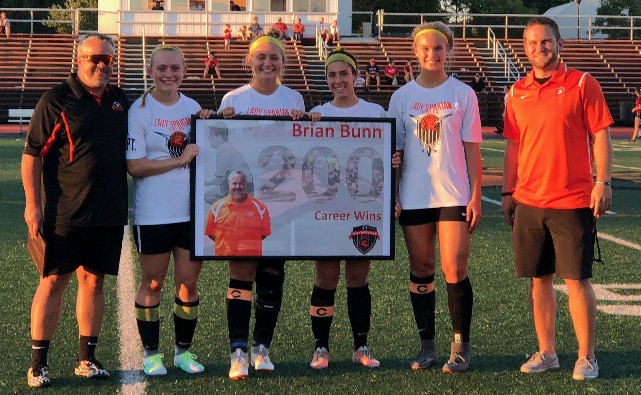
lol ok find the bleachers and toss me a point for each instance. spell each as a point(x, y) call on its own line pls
point(32, 64)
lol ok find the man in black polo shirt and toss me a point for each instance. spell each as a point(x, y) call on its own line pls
point(76, 147)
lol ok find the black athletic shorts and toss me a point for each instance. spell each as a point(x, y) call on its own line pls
point(160, 239)
point(548, 241)
point(97, 249)
point(431, 215)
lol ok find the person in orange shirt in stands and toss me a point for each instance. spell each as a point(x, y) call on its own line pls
point(238, 223)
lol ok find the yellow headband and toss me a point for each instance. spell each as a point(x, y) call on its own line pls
point(167, 48)
point(340, 57)
point(266, 40)
point(437, 32)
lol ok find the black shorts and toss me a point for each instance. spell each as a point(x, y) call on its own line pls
point(431, 215)
point(160, 239)
point(211, 71)
point(637, 115)
point(548, 241)
point(97, 249)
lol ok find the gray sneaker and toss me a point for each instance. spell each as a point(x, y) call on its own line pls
point(540, 362)
point(585, 369)
point(426, 357)
point(459, 361)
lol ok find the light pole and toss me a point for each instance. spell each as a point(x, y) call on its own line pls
point(578, 19)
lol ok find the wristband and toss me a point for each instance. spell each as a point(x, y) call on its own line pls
point(503, 194)
point(608, 183)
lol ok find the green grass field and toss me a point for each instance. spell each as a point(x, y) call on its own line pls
point(502, 332)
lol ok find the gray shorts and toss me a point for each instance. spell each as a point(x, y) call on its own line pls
point(548, 241)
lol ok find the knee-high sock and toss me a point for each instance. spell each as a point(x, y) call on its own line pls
point(239, 308)
point(148, 320)
point(321, 311)
point(359, 309)
point(185, 319)
point(460, 299)
point(423, 305)
point(270, 275)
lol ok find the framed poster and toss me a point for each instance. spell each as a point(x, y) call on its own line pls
point(275, 187)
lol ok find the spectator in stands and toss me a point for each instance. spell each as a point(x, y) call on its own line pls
point(234, 7)
point(211, 66)
point(227, 35)
point(637, 114)
point(298, 29)
point(323, 30)
point(334, 35)
point(281, 28)
point(5, 25)
point(197, 6)
point(255, 28)
point(409, 71)
point(391, 72)
point(74, 148)
point(478, 85)
point(244, 34)
point(372, 71)
point(359, 84)
point(158, 7)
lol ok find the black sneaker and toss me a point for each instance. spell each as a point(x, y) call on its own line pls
point(91, 369)
point(38, 377)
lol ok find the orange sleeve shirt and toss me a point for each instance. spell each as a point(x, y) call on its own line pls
point(553, 123)
point(238, 229)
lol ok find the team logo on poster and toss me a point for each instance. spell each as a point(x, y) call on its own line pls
point(364, 238)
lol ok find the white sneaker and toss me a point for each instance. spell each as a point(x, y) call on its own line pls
point(152, 365)
point(260, 359)
point(239, 369)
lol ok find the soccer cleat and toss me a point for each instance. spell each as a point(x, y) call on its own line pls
point(320, 359)
point(38, 377)
point(459, 361)
point(239, 369)
point(260, 359)
point(187, 362)
point(91, 369)
point(424, 359)
point(585, 369)
point(363, 357)
point(152, 366)
point(540, 362)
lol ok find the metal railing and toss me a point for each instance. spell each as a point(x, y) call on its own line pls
point(510, 71)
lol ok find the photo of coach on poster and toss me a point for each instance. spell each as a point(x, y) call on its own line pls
point(296, 189)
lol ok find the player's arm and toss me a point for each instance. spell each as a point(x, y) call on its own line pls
point(473, 160)
point(601, 198)
point(144, 167)
point(31, 171)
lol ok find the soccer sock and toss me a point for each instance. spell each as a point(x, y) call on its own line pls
point(321, 310)
point(39, 350)
point(423, 298)
point(87, 347)
point(239, 308)
point(460, 299)
point(148, 320)
point(270, 275)
point(185, 320)
point(359, 310)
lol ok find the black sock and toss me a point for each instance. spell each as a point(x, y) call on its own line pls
point(239, 308)
point(185, 320)
point(87, 347)
point(148, 321)
point(39, 350)
point(460, 299)
point(359, 310)
point(270, 275)
point(423, 305)
point(322, 313)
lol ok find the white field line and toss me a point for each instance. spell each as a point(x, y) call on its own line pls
point(602, 235)
point(627, 167)
point(133, 381)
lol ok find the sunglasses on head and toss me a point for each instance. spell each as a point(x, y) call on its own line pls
point(95, 59)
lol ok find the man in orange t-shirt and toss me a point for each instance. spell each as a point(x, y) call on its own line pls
point(557, 126)
point(238, 223)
